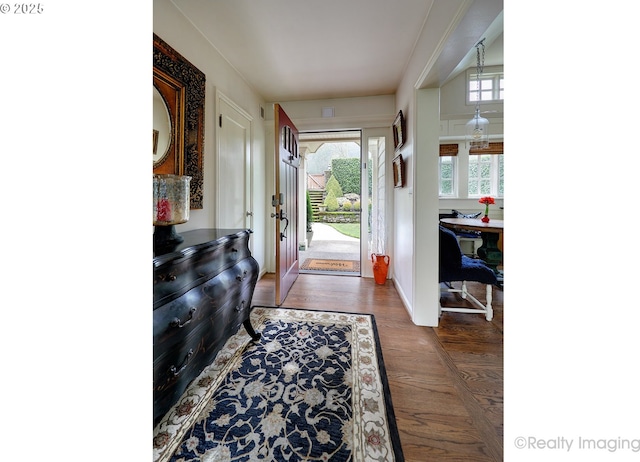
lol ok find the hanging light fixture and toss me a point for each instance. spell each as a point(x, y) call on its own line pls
point(478, 127)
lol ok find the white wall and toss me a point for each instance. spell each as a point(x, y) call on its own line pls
point(426, 238)
point(360, 112)
point(414, 206)
point(173, 28)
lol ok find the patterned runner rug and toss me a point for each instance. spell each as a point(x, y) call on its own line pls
point(313, 388)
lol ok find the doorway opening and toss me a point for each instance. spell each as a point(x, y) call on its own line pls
point(332, 201)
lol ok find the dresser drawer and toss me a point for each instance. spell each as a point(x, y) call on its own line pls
point(175, 274)
point(246, 275)
point(176, 319)
point(241, 310)
point(174, 368)
point(232, 281)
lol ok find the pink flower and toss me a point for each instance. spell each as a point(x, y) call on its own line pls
point(164, 210)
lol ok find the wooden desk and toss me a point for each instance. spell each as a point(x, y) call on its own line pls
point(491, 233)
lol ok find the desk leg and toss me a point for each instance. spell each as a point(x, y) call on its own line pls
point(489, 250)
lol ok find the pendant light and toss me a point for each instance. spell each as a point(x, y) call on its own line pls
point(478, 127)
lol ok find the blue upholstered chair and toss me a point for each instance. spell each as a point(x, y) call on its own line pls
point(472, 237)
point(456, 267)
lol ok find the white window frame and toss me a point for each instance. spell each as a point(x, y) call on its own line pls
point(454, 176)
point(494, 176)
point(494, 95)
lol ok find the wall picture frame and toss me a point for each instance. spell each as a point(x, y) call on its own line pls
point(398, 172)
point(398, 131)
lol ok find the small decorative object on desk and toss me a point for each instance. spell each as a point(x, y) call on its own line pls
point(170, 207)
point(486, 201)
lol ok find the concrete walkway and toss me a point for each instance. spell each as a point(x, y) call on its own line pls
point(322, 232)
point(327, 243)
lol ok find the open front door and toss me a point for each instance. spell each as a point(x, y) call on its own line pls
point(286, 203)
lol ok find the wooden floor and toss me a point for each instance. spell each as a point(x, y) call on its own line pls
point(446, 382)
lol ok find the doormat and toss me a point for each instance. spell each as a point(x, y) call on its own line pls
point(317, 264)
point(313, 388)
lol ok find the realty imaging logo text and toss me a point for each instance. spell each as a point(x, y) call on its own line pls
point(561, 443)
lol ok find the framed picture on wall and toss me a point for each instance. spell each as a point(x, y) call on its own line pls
point(398, 131)
point(398, 172)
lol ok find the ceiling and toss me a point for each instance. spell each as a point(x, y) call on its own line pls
point(289, 50)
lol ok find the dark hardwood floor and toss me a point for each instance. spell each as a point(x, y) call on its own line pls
point(446, 382)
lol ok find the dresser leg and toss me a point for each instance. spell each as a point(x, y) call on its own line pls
point(255, 336)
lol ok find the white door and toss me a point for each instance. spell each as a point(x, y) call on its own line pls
point(233, 192)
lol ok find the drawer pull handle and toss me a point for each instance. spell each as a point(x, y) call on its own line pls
point(175, 371)
point(242, 278)
point(168, 277)
point(240, 307)
point(177, 323)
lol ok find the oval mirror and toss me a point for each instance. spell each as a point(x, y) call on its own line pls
point(161, 128)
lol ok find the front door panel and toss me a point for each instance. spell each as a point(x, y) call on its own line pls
point(285, 202)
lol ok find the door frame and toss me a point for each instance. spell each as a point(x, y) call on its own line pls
point(366, 268)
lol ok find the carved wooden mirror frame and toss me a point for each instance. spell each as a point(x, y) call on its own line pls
point(169, 160)
point(182, 86)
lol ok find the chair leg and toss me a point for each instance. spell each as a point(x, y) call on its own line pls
point(488, 306)
point(485, 308)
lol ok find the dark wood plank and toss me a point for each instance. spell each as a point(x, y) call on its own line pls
point(446, 382)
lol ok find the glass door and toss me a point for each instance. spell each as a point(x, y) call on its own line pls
point(374, 194)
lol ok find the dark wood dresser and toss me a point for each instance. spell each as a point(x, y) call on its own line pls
point(202, 291)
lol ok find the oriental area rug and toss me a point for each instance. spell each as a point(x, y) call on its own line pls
point(319, 264)
point(312, 388)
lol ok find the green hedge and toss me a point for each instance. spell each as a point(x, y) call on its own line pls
point(309, 212)
point(347, 172)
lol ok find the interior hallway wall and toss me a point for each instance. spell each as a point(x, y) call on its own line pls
point(171, 26)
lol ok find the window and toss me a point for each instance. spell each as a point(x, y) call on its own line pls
point(482, 176)
point(447, 168)
point(491, 88)
point(486, 175)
